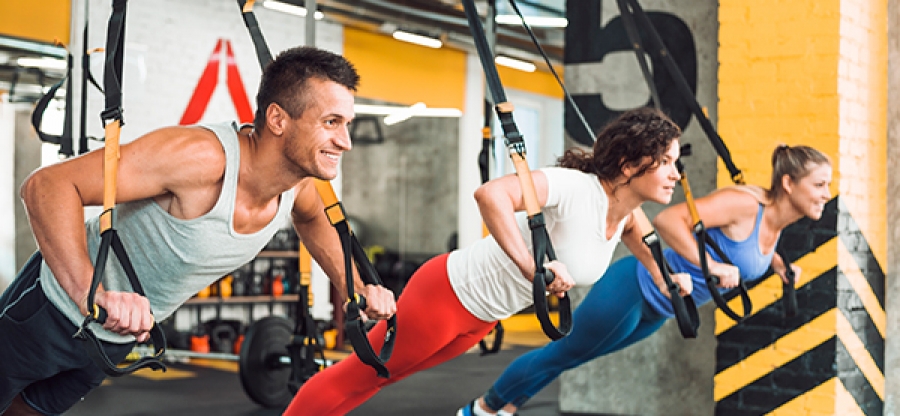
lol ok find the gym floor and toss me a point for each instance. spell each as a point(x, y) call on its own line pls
point(209, 387)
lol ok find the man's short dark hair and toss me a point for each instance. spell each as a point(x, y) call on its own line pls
point(284, 79)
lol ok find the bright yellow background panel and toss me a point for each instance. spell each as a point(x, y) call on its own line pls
point(40, 20)
point(404, 73)
point(537, 82)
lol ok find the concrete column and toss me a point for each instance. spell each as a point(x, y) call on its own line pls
point(810, 72)
point(7, 194)
point(892, 284)
point(664, 374)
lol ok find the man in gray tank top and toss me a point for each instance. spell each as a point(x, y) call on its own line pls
point(194, 203)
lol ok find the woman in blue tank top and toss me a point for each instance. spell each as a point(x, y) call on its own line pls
point(631, 302)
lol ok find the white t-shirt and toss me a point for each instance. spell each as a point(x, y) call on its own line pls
point(488, 283)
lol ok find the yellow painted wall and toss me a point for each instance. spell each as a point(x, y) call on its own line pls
point(814, 72)
point(777, 80)
point(40, 20)
point(404, 73)
point(538, 82)
point(809, 72)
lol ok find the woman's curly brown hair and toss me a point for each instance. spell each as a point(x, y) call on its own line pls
point(627, 140)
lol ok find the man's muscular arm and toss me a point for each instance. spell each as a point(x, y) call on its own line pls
point(165, 162)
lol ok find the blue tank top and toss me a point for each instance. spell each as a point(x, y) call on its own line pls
point(745, 254)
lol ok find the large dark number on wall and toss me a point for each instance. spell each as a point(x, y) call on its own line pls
point(587, 41)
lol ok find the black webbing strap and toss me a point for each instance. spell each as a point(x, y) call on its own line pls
point(112, 69)
point(108, 236)
point(789, 292)
point(353, 251)
point(86, 77)
point(93, 345)
point(684, 316)
point(263, 55)
point(64, 140)
point(487, 144)
point(546, 58)
point(542, 246)
point(684, 307)
point(637, 45)
point(629, 9)
point(484, 159)
point(660, 50)
point(704, 241)
point(354, 327)
point(304, 346)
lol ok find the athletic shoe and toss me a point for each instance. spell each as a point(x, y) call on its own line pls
point(467, 410)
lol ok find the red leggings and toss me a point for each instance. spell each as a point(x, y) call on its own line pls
point(432, 327)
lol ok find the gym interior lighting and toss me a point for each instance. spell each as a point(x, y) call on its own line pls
point(291, 9)
point(417, 39)
point(515, 63)
point(533, 21)
point(43, 63)
point(396, 114)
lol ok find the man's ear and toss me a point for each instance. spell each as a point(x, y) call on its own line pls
point(787, 184)
point(276, 119)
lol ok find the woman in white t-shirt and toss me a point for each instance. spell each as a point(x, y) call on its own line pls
point(455, 299)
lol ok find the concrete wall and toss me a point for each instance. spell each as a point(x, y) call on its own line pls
point(27, 158)
point(892, 281)
point(404, 189)
point(673, 376)
point(7, 194)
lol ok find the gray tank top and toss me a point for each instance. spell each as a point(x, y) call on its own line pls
point(174, 258)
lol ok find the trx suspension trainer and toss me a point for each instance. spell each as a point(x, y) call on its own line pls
point(354, 327)
point(113, 121)
point(542, 247)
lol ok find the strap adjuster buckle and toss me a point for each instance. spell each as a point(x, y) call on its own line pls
point(116, 113)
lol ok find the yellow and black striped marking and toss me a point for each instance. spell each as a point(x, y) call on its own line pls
point(829, 359)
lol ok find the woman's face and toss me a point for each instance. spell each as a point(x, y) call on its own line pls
point(809, 194)
point(658, 184)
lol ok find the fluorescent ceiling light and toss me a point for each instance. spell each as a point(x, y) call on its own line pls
point(533, 21)
point(417, 39)
point(44, 63)
point(415, 111)
point(515, 64)
point(291, 9)
point(403, 114)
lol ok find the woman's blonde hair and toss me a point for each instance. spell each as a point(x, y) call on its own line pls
point(794, 161)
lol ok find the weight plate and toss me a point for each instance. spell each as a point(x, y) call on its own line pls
point(263, 378)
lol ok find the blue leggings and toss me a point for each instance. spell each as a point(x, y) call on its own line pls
point(612, 316)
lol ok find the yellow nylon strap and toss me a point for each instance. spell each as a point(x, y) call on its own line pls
point(248, 6)
point(305, 265)
point(332, 206)
point(506, 107)
point(529, 195)
point(110, 171)
point(486, 133)
point(689, 198)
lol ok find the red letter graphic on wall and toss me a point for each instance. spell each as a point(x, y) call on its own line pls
point(208, 82)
